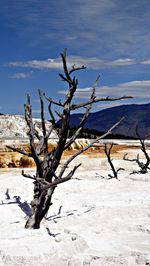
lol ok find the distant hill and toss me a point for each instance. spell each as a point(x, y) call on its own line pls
point(135, 114)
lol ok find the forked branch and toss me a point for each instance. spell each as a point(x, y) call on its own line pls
point(144, 167)
point(108, 155)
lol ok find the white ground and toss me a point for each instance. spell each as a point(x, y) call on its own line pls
point(15, 127)
point(93, 221)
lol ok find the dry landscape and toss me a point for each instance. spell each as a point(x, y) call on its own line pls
point(93, 221)
point(75, 133)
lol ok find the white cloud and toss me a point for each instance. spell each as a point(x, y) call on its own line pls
point(96, 63)
point(146, 62)
point(104, 105)
point(139, 89)
point(122, 62)
point(135, 84)
point(38, 64)
point(90, 62)
point(20, 75)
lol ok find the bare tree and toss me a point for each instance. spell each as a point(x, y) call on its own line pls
point(143, 166)
point(48, 171)
point(108, 155)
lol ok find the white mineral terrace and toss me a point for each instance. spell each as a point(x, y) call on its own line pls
point(93, 221)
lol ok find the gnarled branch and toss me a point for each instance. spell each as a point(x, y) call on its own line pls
point(143, 166)
point(96, 100)
point(88, 146)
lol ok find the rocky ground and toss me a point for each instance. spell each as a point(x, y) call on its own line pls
point(15, 127)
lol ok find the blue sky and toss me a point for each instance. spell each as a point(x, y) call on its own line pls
point(110, 37)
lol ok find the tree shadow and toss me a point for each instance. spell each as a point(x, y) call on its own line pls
point(24, 206)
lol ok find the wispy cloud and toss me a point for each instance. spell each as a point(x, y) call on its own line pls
point(21, 75)
point(38, 64)
point(90, 62)
point(106, 27)
point(146, 62)
point(96, 63)
point(139, 90)
point(136, 84)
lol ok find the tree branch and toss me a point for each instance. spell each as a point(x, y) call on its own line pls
point(73, 69)
point(127, 159)
point(88, 146)
point(63, 56)
point(29, 120)
point(143, 148)
point(84, 118)
point(61, 180)
point(45, 139)
point(53, 121)
point(108, 155)
point(52, 101)
point(77, 106)
point(28, 176)
point(18, 150)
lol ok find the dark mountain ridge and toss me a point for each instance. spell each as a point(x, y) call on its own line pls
point(134, 115)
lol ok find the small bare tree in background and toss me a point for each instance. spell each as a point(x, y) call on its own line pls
point(144, 166)
point(48, 171)
point(107, 150)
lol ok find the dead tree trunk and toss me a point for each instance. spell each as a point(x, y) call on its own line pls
point(108, 155)
point(144, 167)
point(48, 173)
